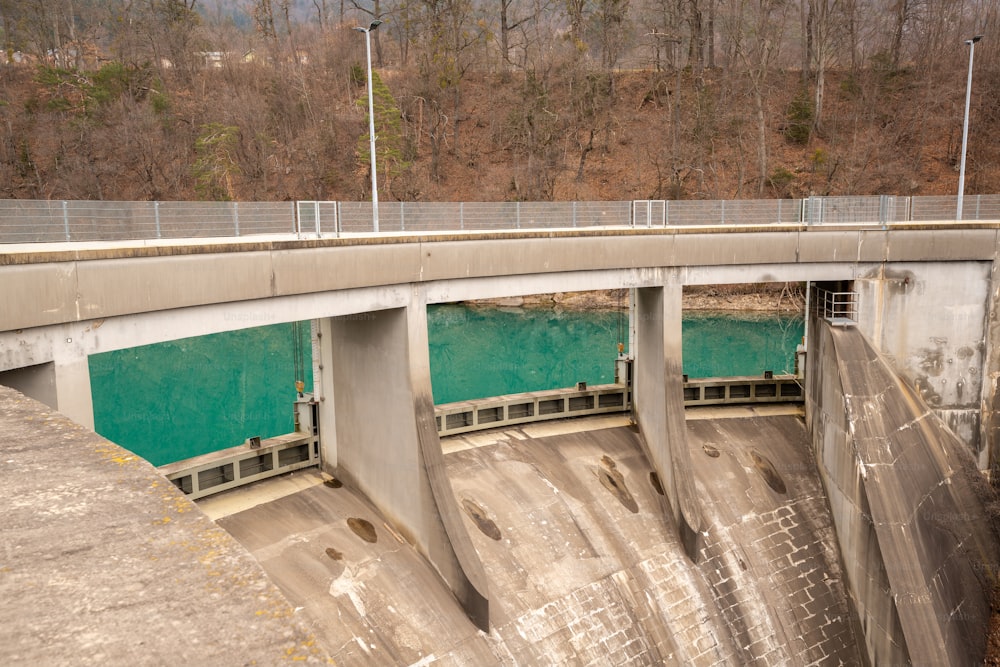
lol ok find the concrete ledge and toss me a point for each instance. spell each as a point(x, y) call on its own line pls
point(104, 562)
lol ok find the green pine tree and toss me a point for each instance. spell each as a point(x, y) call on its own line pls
point(392, 152)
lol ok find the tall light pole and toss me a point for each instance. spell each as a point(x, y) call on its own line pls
point(371, 120)
point(965, 126)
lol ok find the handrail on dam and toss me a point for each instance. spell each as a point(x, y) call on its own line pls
point(45, 221)
point(229, 468)
point(514, 409)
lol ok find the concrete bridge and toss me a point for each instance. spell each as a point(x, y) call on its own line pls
point(925, 297)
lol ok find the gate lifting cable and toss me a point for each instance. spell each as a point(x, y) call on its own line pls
point(298, 358)
point(621, 324)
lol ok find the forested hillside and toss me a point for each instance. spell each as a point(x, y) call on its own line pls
point(511, 100)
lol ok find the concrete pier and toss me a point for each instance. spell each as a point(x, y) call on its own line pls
point(659, 405)
point(919, 547)
point(385, 442)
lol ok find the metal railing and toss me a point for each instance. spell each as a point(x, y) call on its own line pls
point(42, 221)
point(236, 466)
point(580, 401)
point(838, 308)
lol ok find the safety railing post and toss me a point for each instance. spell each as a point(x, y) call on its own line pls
point(236, 218)
point(156, 218)
point(65, 214)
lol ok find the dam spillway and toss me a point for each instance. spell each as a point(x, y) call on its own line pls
point(583, 568)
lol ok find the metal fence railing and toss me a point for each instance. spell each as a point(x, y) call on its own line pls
point(40, 221)
point(836, 307)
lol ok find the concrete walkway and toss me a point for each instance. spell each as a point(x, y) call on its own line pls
point(104, 562)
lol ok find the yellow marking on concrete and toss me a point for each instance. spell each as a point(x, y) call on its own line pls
point(743, 411)
point(243, 498)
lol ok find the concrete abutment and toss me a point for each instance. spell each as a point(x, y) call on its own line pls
point(63, 385)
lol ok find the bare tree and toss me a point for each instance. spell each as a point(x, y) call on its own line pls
point(755, 29)
point(611, 17)
point(509, 23)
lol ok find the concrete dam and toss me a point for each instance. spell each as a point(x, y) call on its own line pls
point(857, 538)
point(583, 569)
point(854, 531)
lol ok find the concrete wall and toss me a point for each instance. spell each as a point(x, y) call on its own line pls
point(916, 541)
point(840, 471)
point(929, 321)
point(62, 385)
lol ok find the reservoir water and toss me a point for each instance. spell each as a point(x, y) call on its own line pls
point(174, 400)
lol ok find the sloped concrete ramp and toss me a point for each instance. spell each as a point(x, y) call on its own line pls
point(909, 507)
point(583, 566)
point(105, 562)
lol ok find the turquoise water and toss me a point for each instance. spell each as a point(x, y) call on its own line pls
point(175, 400)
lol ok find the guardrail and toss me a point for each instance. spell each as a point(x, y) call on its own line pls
point(747, 389)
point(480, 414)
point(838, 308)
point(43, 221)
point(228, 468)
point(258, 459)
point(514, 409)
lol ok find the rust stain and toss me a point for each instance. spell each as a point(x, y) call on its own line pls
point(768, 472)
point(363, 529)
point(613, 480)
point(486, 525)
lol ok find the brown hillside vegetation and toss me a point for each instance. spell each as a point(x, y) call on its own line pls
point(255, 132)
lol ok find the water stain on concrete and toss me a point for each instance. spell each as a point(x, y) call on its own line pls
point(768, 472)
point(927, 392)
point(334, 554)
point(654, 479)
point(613, 480)
point(363, 529)
point(931, 361)
point(486, 525)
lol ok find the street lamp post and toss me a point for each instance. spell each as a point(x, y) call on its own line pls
point(965, 126)
point(371, 120)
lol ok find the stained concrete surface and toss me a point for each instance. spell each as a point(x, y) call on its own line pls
point(104, 562)
point(584, 567)
point(923, 503)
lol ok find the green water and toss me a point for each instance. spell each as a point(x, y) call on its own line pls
point(175, 400)
point(477, 353)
